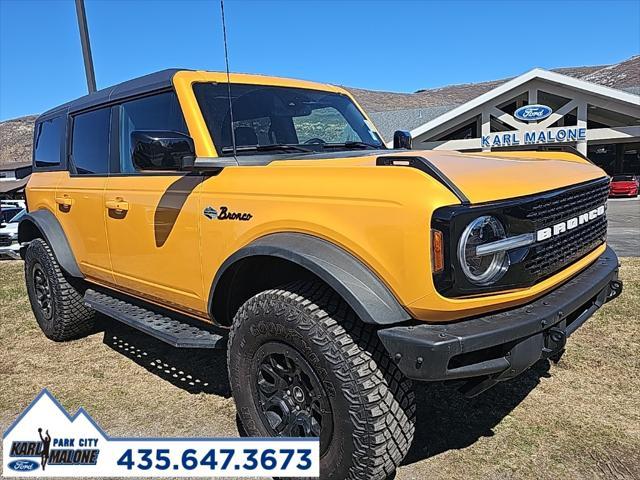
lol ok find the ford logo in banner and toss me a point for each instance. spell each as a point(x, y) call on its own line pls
point(23, 465)
point(531, 113)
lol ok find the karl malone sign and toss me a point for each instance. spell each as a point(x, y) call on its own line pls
point(534, 113)
point(534, 137)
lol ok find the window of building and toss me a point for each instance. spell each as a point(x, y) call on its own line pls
point(631, 158)
point(465, 131)
point(603, 155)
point(48, 141)
point(90, 142)
point(159, 112)
point(598, 117)
point(556, 102)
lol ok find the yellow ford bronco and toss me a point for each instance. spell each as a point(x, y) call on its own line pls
point(266, 216)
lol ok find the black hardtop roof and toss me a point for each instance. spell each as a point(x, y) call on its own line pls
point(137, 86)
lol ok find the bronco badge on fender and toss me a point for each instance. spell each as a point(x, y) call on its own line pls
point(225, 214)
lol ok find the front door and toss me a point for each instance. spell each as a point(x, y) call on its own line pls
point(152, 214)
point(79, 196)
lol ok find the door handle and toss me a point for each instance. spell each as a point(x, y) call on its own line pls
point(64, 201)
point(118, 204)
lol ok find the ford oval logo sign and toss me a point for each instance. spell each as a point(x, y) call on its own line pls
point(532, 113)
point(23, 465)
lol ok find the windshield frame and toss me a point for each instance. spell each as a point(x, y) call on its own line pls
point(290, 148)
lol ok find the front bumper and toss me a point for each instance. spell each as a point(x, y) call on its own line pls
point(11, 251)
point(497, 347)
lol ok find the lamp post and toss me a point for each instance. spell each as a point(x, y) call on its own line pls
point(86, 46)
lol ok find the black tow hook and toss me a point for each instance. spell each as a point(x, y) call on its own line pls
point(555, 340)
point(615, 289)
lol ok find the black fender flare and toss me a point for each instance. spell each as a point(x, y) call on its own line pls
point(362, 289)
point(44, 224)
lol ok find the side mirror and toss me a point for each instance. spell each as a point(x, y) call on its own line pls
point(161, 150)
point(402, 139)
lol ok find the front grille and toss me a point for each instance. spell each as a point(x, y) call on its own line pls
point(556, 208)
point(560, 251)
point(550, 256)
point(5, 240)
point(532, 263)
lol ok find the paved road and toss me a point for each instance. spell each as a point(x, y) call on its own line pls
point(624, 226)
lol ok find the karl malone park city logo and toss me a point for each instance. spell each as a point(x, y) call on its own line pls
point(45, 437)
point(46, 441)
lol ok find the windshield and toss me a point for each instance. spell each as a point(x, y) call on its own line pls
point(623, 178)
point(18, 217)
point(269, 119)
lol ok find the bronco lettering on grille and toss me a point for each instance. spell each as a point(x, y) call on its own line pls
point(570, 224)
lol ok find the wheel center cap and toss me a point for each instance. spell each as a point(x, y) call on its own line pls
point(298, 394)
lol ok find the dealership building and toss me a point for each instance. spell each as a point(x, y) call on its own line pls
point(539, 109)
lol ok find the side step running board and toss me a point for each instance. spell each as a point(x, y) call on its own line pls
point(158, 325)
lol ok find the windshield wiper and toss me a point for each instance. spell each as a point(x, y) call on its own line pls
point(267, 148)
point(351, 145)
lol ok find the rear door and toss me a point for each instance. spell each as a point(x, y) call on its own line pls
point(80, 193)
point(49, 162)
point(152, 216)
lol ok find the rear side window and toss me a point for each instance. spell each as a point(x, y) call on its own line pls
point(48, 140)
point(90, 142)
point(158, 112)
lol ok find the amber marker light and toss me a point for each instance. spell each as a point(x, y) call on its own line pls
point(437, 251)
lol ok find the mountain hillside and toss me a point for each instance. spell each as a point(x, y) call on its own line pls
point(16, 137)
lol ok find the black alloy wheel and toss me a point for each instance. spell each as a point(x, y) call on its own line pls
point(57, 301)
point(291, 399)
point(301, 363)
point(42, 288)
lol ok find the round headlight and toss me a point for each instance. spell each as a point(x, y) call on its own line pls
point(484, 269)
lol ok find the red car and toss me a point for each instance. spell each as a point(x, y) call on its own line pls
point(624, 186)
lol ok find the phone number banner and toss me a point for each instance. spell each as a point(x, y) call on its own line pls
point(45, 441)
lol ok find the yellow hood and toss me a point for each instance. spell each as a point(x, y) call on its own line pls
point(489, 176)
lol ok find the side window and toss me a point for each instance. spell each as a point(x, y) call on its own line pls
point(159, 112)
point(47, 142)
point(90, 141)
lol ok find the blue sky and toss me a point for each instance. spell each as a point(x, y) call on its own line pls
point(383, 45)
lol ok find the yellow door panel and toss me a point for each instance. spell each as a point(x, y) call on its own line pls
point(152, 226)
point(79, 206)
point(41, 190)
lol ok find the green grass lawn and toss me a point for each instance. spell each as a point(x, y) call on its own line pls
point(577, 419)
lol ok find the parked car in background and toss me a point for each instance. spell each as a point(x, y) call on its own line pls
point(7, 213)
point(13, 203)
point(625, 185)
point(9, 245)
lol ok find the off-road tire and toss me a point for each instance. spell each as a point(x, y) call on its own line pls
point(372, 403)
point(69, 318)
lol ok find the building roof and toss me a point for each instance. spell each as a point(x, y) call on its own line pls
point(14, 166)
point(536, 73)
point(408, 119)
